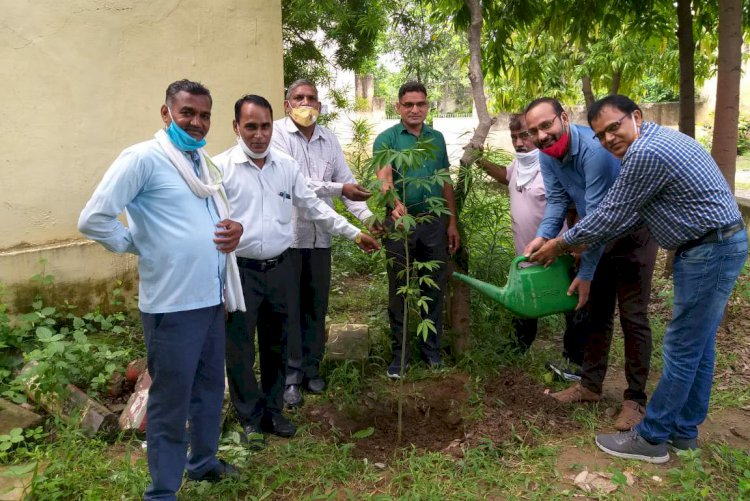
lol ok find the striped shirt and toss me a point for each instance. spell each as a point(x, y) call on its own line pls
point(672, 183)
point(322, 162)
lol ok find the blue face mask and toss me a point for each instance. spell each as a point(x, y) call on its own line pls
point(181, 139)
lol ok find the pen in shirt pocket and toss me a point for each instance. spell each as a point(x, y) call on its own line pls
point(284, 194)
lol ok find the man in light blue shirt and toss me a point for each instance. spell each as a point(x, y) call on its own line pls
point(181, 242)
point(577, 169)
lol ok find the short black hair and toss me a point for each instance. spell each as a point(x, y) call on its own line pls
point(515, 121)
point(411, 87)
point(618, 101)
point(250, 98)
point(548, 100)
point(195, 88)
point(299, 83)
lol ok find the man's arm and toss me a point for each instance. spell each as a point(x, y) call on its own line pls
point(354, 195)
point(119, 186)
point(498, 172)
point(314, 209)
point(454, 239)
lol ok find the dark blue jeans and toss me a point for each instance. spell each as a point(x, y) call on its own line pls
point(703, 280)
point(185, 352)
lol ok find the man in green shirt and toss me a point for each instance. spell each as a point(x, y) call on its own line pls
point(431, 239)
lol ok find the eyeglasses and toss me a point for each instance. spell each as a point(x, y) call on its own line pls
point(545, 126)
point(524, 134)
point(609, 129)
point(408, 106)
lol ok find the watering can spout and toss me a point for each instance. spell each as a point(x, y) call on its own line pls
point(493, 292)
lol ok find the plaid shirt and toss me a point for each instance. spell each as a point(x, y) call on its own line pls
point(672, 183)
point(322, 162)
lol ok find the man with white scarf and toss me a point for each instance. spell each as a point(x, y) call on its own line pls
point(179, 229)
point(263, 186)
point(527, 203)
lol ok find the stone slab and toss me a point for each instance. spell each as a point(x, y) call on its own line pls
point(13, 416)
point(348, 342)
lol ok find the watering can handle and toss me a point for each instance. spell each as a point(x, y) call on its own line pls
point(518, 260)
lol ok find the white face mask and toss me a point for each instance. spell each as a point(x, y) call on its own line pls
point(528, 158)
point(250, 153)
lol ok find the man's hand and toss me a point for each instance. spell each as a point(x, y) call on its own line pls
point(367, 243)
point(548, 253)
point(454, 239)
point(355, 192)
point(583, 287)
point(399, 210)
point(228, 237)
point(534, 246)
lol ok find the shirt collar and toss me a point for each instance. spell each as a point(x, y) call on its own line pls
point(291, 128)
point(426, 129)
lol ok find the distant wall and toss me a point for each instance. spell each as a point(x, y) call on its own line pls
point(84, 79)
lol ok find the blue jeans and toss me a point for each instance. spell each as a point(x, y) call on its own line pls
point(703, 280)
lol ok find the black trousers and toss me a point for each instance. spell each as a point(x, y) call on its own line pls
point(622, 277)
point(574, 338)
point(268, 295)
point(426, 242)
point(306, 344)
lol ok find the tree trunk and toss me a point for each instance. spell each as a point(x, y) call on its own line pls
point(687, 66)
point(459, 306)
point(724, 149)
point(588, 93)
point(614, 87)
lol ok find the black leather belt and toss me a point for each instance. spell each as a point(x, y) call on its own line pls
point(261, 264)
point(713, 236)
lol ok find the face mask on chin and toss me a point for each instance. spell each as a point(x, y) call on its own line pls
point(558, 148)
point(181, 139)
point(250, 153)
point(304, 115)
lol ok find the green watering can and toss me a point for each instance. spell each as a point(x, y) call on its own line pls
point(533, 291)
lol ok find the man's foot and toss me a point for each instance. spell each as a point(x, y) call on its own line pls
point(433, 360)
point(683, 444)
point(276, 424)
point(253, 437)
point(576, 393)
point(565, 370)
point(630, 415)
point(316, 385)
point(394, 370)
point(630, 445)
point(218, 473)
point(292, 396)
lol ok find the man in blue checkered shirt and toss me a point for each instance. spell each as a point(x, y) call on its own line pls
point(671, 182)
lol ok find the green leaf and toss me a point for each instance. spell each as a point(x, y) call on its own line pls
point(363, 433)
point(43, 333)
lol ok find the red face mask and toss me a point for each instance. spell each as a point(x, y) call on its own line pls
point(558, 149)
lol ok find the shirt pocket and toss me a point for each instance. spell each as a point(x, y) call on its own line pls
point(325, 169)
point(283, 206)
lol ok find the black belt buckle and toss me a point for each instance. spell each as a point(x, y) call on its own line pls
point(268, 264)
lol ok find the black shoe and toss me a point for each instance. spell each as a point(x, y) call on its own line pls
point(292, 396)
point(253, 437)
point(218, 473)
point(276, 424)
point(394, 370)
point(316, 385)
point(433, 360)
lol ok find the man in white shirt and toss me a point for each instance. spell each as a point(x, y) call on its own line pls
point(263, 185)
point(326, 172)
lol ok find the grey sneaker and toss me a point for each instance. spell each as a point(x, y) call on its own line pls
point(683, 444)
point(394, 370)
point(630, 445)
point(565, 370)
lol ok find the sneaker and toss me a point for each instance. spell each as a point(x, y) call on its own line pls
point(683, 444)
point(316, 385)
point(292, 396)
point(630, 445)
point(630, 415)
point(576, 393)
point(565, 370)
point(394, 370)
point(432, 360)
